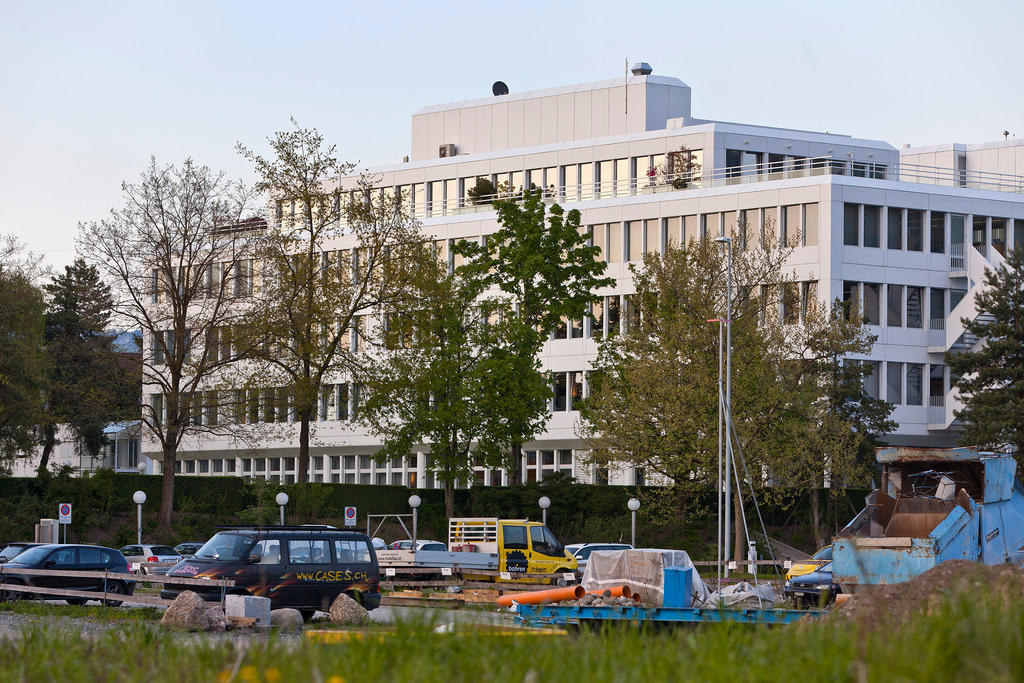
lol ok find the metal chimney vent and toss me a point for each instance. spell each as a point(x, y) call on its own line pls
point(642, 69)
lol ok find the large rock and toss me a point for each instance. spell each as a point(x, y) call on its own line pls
point(187, 612)
point(345, 610)
point(287, 619)
point(215, 616)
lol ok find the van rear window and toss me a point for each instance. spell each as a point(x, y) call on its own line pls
point(351, 552)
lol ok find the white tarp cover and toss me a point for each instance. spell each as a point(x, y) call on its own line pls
point(744, 593)
point(642, 570)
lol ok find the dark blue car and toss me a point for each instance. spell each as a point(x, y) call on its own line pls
point(817, 588)
point(81, 558)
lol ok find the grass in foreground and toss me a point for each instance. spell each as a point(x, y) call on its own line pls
point(965, 638)
point(96, 612)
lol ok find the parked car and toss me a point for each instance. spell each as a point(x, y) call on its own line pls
point(69, 558)
point(420, 545)
point(581, 551)
point(150, 554)
point(12, 550)
point(811, 564)
point(304, 567)
point(816, 588)
point(187, 549)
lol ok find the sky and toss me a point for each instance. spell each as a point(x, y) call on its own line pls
point(92, 90)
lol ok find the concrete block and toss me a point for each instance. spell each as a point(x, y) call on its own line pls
point(248, 606)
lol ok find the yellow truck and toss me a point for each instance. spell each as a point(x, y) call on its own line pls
point(509, 546)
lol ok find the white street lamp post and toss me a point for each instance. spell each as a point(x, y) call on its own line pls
point(633, 506)
point(414, 503)
point(544, 503)
point(141, 467)
point(282, 500)
point(139, 497)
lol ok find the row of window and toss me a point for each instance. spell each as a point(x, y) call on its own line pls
point(905, 229)
point(905, 305)
point(905, 383)
point(741, 162)
point(236, 276)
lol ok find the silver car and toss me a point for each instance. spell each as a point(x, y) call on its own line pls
point(151, 557)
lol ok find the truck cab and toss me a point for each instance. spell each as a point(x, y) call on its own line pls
point(520, 546)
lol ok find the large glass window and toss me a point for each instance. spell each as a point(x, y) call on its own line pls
point(915, 384)
point(937, 243)
point(598, 238)
point(652, 236)
point(936, 385)
point(937, 308)
point(894, 383)
point(956, 228)
point(1018, 233)
point(872, 301)
point(978, 233)
point(597, 319)
point(613, 315)
point(572, 181)
point(811, 225)
point(851, 297)
point(622, 177)
point(915, 295)
point(711, 228)
point(999, 235)
point(894, 309)
point(606, 178)
point(587, 180)
point(915, 230)
point(560, 387)
point(615, 242)
point(691, 229)
point(269, 551)
point(791, 225)
point(895, 235)
point(575, 390)
point(871, 378)
point(634, 241)
point(514, 536)
point(872, 226)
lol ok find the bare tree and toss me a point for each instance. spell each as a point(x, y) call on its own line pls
point(178, 259)
point(331, 259)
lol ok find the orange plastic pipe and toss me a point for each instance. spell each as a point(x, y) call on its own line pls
point(551, 595)
point(617, 592)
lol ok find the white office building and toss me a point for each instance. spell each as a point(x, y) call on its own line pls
point(907, 233)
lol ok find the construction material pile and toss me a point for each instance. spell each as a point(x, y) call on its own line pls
point(898, 602)
point(644, 570)
point(607, 599)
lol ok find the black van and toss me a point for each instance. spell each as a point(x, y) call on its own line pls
point(304, 567)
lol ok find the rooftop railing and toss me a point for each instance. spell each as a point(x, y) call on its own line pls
point(726, 176)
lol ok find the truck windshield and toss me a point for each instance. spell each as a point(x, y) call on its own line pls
point(230, 547)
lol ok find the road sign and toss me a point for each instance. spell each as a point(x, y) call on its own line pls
point(65, 513)
point(350, 516)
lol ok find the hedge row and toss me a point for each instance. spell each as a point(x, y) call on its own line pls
point(104, 511)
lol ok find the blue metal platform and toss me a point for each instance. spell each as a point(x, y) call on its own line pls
point(545, 615)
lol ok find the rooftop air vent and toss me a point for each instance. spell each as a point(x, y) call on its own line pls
point(446, 150)
point(499, 88)
point(642, 69)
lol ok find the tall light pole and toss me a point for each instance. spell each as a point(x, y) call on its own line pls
point(282, 500)
point(544, 504)
point(414, 503)
point(139, 497)
point(633, 504)
point(727, 241)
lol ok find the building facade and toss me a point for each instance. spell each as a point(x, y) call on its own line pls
point(906, 234)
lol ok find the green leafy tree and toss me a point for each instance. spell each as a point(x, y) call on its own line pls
point(540, 262)
point(178, 258)
point(438, 377)
point(89, 384)
point(991, 382)
point(655, 405)
point(22, 350)
point(308, 322)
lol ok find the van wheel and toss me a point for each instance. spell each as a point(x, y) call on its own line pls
point(116, 588)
